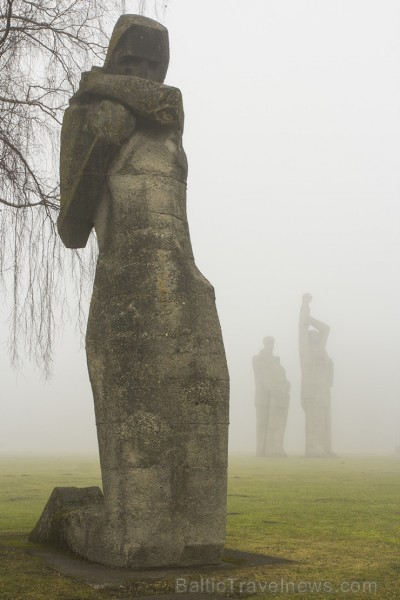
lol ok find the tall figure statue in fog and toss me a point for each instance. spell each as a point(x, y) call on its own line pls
point(154, 347)
point(272, 401)
point(316, 382)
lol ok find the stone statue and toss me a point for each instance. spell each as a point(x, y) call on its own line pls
point(154, 347)
point(316, 383)
point(272, 401)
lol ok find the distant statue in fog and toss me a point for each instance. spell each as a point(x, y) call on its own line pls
point(272, 400)
point(316, 382)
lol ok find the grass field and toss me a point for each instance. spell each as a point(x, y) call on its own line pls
point(338, 520)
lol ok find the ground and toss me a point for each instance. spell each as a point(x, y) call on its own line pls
point(338, 520)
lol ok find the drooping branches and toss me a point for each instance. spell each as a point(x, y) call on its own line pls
point(44, 46)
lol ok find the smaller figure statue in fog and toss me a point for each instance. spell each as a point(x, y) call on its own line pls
point(272, 400)
point(316, 382)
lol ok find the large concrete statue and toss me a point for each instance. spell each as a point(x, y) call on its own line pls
point(316, 383)
point(272, 401)
point(154, 348)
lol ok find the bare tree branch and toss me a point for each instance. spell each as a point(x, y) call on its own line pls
point(7, 17)
point(44, 47)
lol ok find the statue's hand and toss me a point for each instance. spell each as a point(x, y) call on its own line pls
point(111, 121)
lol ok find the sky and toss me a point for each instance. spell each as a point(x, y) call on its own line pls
point(292, 132)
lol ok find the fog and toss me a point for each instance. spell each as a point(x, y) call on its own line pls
point(293, 141)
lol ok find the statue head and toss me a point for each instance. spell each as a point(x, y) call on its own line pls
point(269, 342)
point(139, 46)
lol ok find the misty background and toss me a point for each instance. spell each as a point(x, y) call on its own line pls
point(293, 141)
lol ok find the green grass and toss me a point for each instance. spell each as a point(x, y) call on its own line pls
point(338, 520)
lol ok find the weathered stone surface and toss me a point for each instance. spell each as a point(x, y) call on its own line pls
point(272, 401)
point(154, 347)
point(92, 133)
point(52, 526)
point(316, 383)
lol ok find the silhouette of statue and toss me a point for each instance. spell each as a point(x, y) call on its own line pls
point(154, 346)
point(272, 401)
point(316, 382)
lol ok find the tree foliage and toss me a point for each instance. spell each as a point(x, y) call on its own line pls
point(44, 47)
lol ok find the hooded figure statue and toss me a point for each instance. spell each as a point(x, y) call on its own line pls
point(272, 401)
point(154, 347)
point(103, 114)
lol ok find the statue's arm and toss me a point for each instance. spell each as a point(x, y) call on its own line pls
point(323, 328)
point(92, 131)
point(110, 121)
point(151, 100)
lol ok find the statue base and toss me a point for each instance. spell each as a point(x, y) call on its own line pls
point(75, 519)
